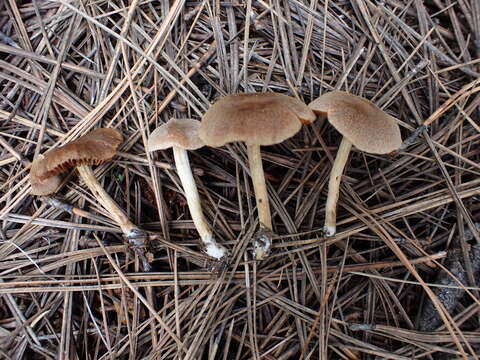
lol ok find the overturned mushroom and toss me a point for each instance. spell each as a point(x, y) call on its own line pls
point(94, 148)
point(362, 124)
point(256, 119)
point(182, 135)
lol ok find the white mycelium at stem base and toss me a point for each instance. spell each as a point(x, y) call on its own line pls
point(182, 163)
point(330, 227)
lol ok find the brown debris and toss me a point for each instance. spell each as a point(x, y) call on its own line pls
point(451, 291)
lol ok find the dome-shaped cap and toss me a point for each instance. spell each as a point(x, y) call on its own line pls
point(257, 119)
point(182, 133)
point(363, 123)
point(94, 148)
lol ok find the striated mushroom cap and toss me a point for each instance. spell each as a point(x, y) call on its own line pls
point(363, 123)
point(256, 119)
point(94, 148)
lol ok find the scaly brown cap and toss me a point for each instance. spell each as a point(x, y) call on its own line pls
point(182, 133)
point(256, 119)
point(363, 123)
point(94, 148)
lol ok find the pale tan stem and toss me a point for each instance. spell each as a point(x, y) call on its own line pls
point(106, 201)
point(330, 227)
point(182, 164)
point(259, 186)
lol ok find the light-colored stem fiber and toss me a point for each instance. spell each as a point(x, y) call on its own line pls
point(330, 227)
point(105, 200)
point(259, 186)
point(184, 170)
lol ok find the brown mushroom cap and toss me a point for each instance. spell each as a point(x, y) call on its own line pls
point(363, 123)
point(98, 146)
point(42, 186)
point(256, 119)
point(182, 133)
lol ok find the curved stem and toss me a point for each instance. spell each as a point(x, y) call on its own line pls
point(182, 163)
point(330, 227)
point(259, 186)
point(128, 228)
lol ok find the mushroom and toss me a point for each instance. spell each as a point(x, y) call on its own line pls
point(362, 124)
point(256, 119)
point(182, 135)
point(94, 148)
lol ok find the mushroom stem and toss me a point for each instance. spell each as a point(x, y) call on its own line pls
point(128, 228)
point(259, 186)
point(212, 248)
point(334, 187)
point(263, 241)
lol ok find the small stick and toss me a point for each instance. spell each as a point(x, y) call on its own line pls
point(412, 139)
point(464, 92)
point(69, 208)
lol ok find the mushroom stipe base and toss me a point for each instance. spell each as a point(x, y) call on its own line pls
point(138, 240)
point(262, 243)
point(217, 266)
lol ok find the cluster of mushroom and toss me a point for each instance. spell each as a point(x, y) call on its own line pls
point(256, 119)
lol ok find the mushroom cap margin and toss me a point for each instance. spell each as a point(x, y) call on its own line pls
point(182, 133)
point(254, 118)
point(363, 123)
point(94, 148)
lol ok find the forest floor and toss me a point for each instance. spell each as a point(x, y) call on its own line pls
point(72, 288)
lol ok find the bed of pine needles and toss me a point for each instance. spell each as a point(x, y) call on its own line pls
point(70, 288)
